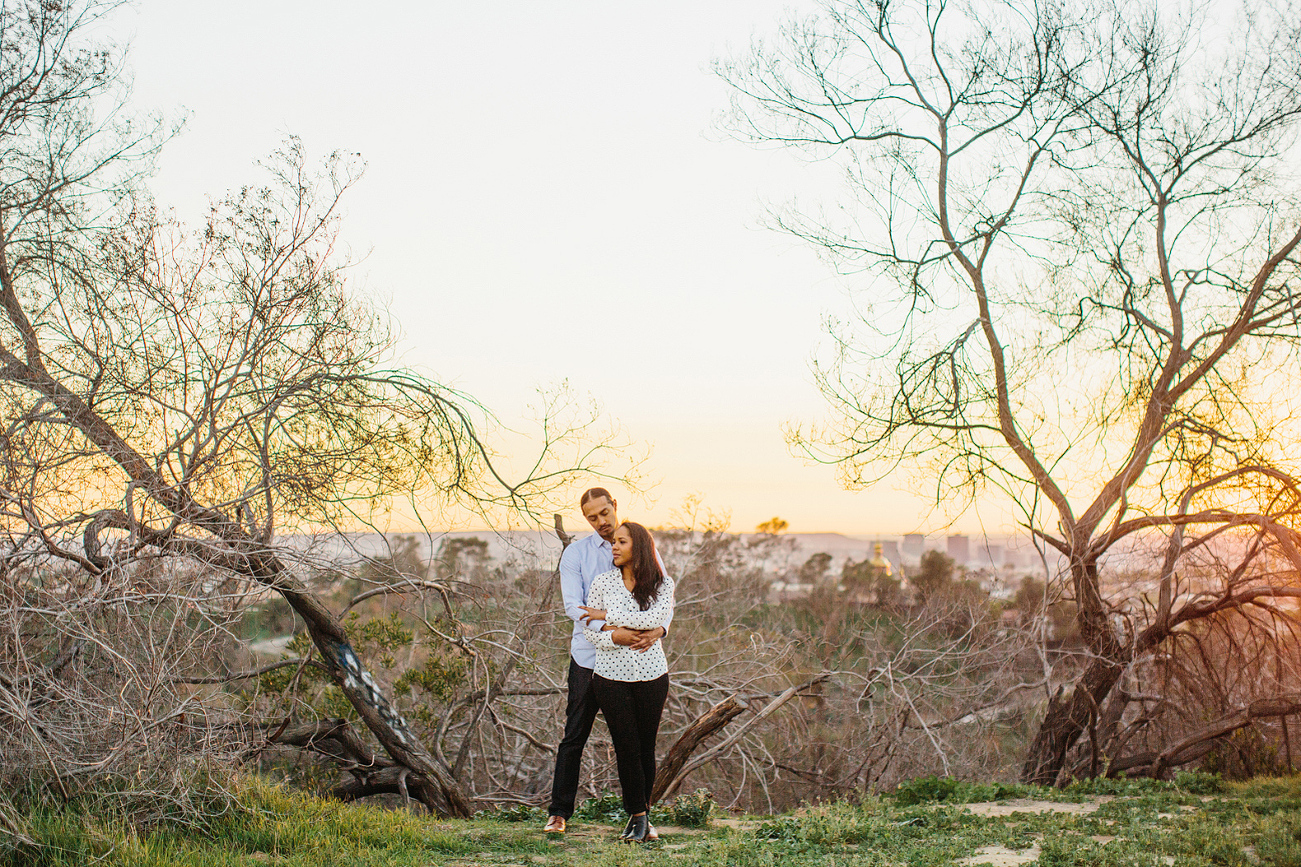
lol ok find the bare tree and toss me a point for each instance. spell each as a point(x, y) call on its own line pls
point(1078, 228)
point(177, 401)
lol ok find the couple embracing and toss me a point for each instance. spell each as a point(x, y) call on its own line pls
point(621, 601)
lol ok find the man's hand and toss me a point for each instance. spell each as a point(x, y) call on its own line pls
point(640, 640)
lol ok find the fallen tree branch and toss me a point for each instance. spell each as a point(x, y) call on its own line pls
point(1201, 742)
point(671, 787)
point(705, 726)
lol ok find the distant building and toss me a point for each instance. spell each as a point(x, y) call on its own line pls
point(873, 581)
point(914, 545)
point(890, 550)
point(960, 549)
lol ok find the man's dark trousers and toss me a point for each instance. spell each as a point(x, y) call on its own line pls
point(580, 713)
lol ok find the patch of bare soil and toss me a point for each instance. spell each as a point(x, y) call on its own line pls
point(1029, 805)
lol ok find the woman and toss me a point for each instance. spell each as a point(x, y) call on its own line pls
point(630, 686)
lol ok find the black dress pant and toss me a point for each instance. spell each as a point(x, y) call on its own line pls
point(632, 710)
point(580, 713)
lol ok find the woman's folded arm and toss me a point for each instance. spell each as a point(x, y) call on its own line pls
point(660, 612)
point(596, 635)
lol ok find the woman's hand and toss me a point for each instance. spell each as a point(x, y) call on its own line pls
point(590, 615)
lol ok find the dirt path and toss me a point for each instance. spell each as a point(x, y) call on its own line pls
point(1028, 805)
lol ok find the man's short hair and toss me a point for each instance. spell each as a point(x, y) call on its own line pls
point(592, 494)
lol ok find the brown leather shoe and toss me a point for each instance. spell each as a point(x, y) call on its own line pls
point(555, 825)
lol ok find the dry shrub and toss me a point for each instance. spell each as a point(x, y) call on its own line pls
point(93, 694)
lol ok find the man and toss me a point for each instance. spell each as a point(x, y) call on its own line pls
point(579, 565)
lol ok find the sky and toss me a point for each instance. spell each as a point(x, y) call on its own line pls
point(548, 199)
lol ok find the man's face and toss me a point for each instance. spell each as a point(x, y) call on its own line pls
point(602, 515)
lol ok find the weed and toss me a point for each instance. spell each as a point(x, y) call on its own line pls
point(692, 811)
point(1199, 782)
point(607, 808)
point(1278, 840)
point(1213, 842)
point(513, 813)
point(925, 790)
point(929, 790)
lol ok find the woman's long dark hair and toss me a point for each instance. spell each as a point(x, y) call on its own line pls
point(647, 576)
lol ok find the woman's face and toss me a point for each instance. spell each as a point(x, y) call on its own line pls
point(621, 545)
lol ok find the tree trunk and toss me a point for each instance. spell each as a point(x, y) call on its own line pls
point(233, 548)
point(1069, 713)
point(1066, 718)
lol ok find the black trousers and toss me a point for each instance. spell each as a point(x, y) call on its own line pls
point(632, 710)
point(580, 713)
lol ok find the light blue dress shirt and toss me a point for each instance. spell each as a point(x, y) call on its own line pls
point(579, 565)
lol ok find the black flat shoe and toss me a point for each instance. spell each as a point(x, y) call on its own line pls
point(640, 827)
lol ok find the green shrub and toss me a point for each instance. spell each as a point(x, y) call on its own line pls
point(607, 808)
point(1120, 786)
point(929, 790)
point(925, 790)
point(1244, 754)
point(692, 811)
point(1199, 782)
point(513, 813)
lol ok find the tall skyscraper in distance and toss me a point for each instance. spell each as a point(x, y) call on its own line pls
point(959, 549)
point(914, 544)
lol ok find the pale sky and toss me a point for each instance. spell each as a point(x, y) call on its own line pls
point(546, 200)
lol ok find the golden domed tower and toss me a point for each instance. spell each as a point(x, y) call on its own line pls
point(881, 566)
point(878, 562)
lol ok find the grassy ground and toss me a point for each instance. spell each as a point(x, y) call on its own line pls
point(1195, 821)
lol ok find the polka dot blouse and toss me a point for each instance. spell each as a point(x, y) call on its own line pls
point(614, 662)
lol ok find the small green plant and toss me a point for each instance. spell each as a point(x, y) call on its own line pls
point(607, 808)
point(1118, 786)
point(513, 813)
point(692, 811)
point(1278, 839)
point(1199, 782)
point(1219, 845)
point(785, 829)
point(1069, 850)
point(925, 790)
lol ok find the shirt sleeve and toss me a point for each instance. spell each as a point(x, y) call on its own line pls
point(660, 612)
point(571, 583)
point(596, 599)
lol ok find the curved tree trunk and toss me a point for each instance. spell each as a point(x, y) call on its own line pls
point(230, 546)
point(705, 726)
point(1068, 715)
point(1070, 712)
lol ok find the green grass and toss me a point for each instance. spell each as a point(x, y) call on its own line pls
point(1196, 821)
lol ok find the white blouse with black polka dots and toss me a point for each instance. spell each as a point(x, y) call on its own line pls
point(614, 662)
